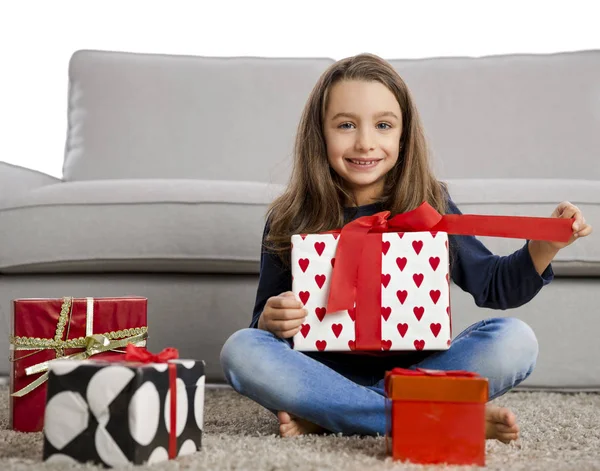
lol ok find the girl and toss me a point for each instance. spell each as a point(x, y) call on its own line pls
point(360, 149)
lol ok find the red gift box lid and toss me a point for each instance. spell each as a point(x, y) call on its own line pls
point(435, 385)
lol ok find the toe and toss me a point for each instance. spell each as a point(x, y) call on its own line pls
point(508, 437)
point(503, 428)
point(508, 418)
point(284, 417)
point(286, 430)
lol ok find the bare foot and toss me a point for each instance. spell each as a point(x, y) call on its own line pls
point(290, 426)
point(501, 424)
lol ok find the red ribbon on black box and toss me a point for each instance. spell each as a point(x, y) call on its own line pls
point(141, 355)
point(356, 277)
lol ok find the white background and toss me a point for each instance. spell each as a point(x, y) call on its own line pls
point(37, 39)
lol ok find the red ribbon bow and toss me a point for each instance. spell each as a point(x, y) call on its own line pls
point(352, 287)
point(141, 355)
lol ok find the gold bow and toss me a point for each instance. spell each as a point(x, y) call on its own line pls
point(93, 344)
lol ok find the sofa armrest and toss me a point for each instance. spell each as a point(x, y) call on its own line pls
point(16, 181)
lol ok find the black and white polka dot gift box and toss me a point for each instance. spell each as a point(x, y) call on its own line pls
point(117, 413)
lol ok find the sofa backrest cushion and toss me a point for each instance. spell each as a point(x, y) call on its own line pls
point(137, 115)
point(510, 116)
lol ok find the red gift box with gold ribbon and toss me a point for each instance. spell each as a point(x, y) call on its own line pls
point(356, 294)
point(44, 329)
point(436, 417)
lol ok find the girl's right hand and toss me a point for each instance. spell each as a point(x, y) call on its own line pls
point(283, 315)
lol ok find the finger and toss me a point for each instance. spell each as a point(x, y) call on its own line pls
point(560, 208)
point(284, 326)
point(287, 314)
point(285, 302)
point(586, 231)
point(569, 212)
point(288, 333)
point(578, 220)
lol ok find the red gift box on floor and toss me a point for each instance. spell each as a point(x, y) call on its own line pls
point(435, 416)
point(46, 329)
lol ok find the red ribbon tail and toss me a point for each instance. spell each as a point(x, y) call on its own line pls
point(514, 227)
point(173, 411)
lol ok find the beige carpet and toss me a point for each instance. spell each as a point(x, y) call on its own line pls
point(559, 432)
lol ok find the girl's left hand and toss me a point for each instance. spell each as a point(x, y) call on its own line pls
point(567, 210)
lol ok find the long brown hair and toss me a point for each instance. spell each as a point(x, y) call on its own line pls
point(314, 198)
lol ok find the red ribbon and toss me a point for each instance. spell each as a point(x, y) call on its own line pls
point(427, 372)
point(141, 355)
point(352, 287)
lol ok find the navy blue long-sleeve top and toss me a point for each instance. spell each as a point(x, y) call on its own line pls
point(495, 282)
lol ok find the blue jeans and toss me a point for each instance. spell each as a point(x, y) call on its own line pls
point(344, 393)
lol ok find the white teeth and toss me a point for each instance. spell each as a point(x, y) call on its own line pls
point(358, 162)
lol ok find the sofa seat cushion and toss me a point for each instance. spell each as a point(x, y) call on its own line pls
point(136, 225)
point(206, 226)
point(535, 197)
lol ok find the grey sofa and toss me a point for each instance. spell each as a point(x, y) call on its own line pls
point(170, 162)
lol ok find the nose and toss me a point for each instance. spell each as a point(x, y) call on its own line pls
point(365, 140)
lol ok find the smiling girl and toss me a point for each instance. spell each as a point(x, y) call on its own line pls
point(360, 149)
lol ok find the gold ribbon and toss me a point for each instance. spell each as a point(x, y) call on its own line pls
point(93, 345)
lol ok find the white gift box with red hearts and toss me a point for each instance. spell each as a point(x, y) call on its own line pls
point(415, 293)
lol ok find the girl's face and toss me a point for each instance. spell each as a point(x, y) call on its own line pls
point(362, 128)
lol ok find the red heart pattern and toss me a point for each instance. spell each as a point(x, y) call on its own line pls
point(402, 329)
point(304, 296)
point(406, 261)
point(304, 263)
point(337, 329)
point(418, 279)
point(305, 329)
point(385, 280)
point(320, 280)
